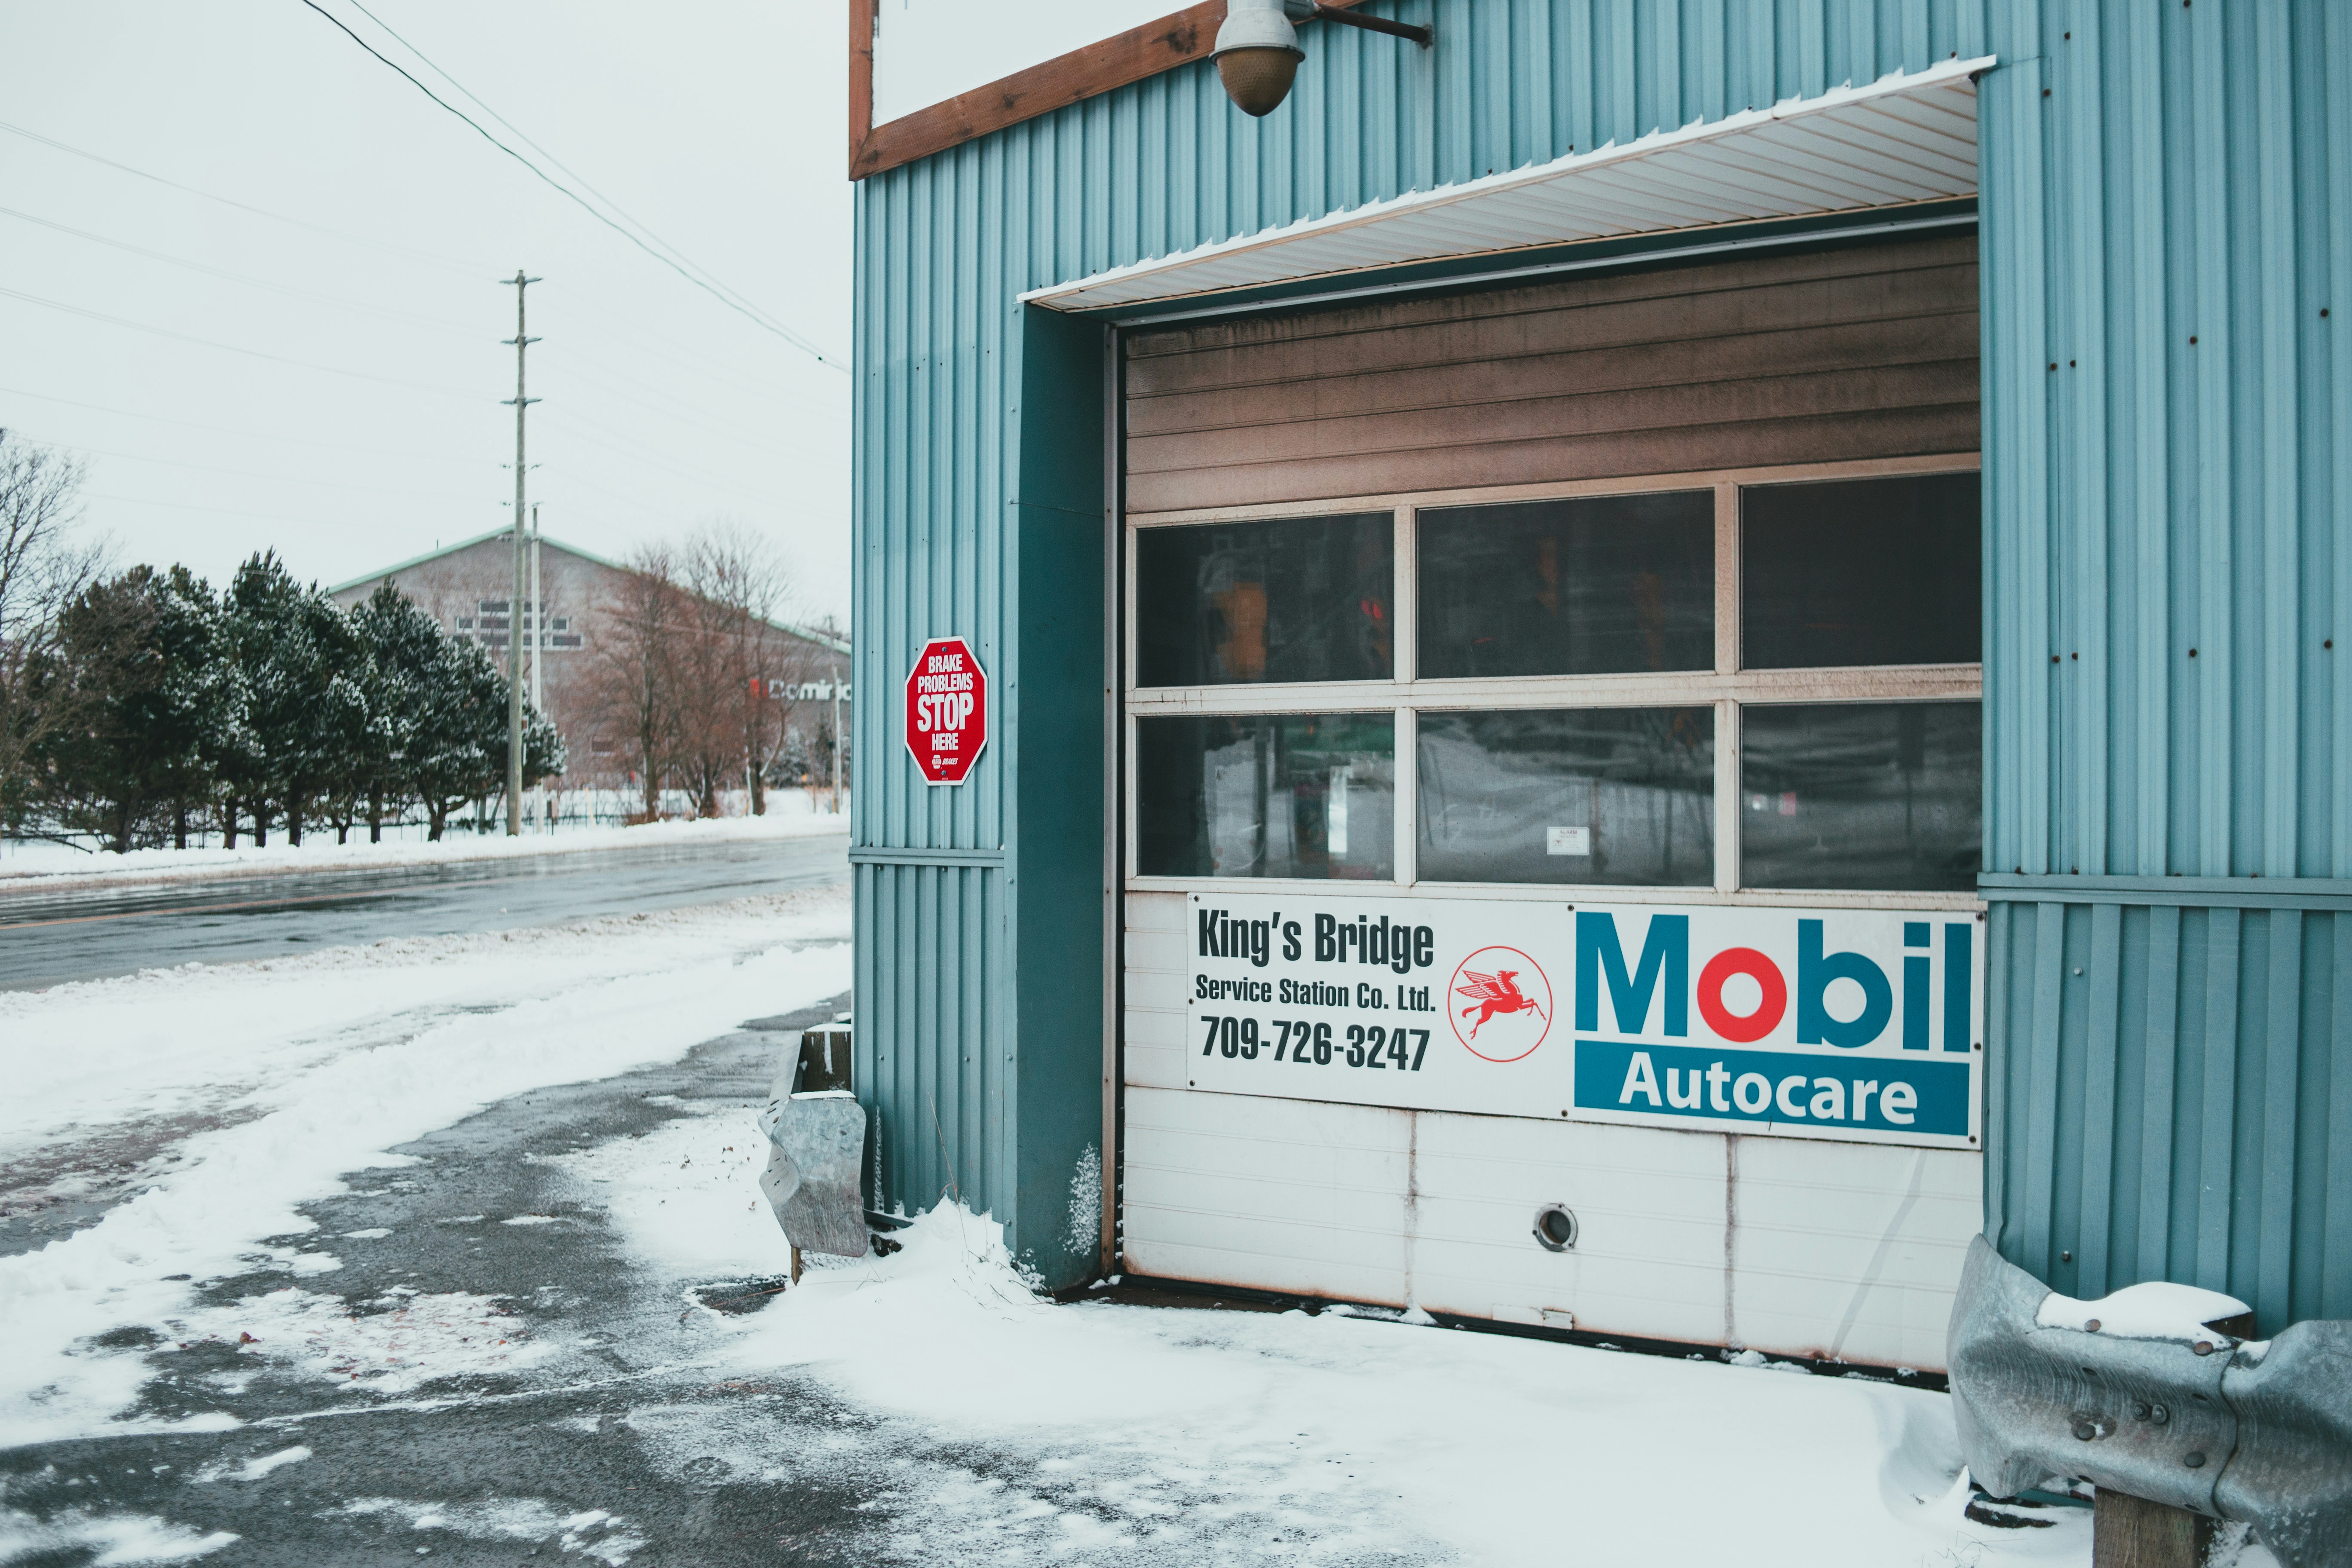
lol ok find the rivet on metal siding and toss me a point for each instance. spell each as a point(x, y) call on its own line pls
point(2054, 364)
point(2070, 364)
point(2046, 92)
point(2192, 340)
point(2078, 969)
point(2323, 311)
point(2192, 653)
point(2329, 643)
point(2074, 656)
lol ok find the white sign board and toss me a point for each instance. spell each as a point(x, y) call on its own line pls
point(1860, 1024)
point(928, 51)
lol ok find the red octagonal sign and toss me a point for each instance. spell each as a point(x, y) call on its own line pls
point(947, 711)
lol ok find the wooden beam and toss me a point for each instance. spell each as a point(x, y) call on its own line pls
point(1173, 41)
point(861, 76)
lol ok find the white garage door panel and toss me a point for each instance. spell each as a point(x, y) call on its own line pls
point(1856, 1256)
point(1276, 1194)
point(1650, 1205)
point(1836, 1249)
point(1155, 982)
point(1155, 1048)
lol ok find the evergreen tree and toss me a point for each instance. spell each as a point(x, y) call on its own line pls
point(446, 721)
point(100, 761)
point(304, 665)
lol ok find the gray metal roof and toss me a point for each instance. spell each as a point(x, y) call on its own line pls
point(835, 645)
point(1901, 140)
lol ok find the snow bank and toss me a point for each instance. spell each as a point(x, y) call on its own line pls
point(1003, 1428)
point(289, 1074)
point(63, 869)
point(1193, 1431)
point(2155, 1310)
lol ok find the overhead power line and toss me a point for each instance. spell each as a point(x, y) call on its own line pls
point(431, 323)
point(249, 473)
point(249, 435)
point(452, 263)
point(642, 228)
point(235, 348)
point(724, 297)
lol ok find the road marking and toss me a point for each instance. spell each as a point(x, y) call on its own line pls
point(247, 904)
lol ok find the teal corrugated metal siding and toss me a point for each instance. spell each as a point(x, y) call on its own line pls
point(944, 247)
point(2167, 209)
point(2173, 1100)
point(2179, 1109)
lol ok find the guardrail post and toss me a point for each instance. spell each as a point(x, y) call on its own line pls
point(2132, 1533)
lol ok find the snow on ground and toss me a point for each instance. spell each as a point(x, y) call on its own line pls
point(36, 867)
point(251, 1088)
point(1004, 1430)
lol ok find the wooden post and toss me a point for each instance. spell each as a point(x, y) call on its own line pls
point(2132, 1532)
point(796, 1279)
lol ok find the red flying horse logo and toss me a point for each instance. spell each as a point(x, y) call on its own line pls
point(1493, 994)
point(1519, 994)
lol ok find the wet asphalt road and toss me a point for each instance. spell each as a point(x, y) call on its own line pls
point(616, 1450)
point(50, 939)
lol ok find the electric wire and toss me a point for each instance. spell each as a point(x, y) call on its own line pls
point(249, 435)
point(612, 441)
point(452, 263)
point(248, 473)
point(666, 407)
point(409, 318)
point(222, 511)
point(235, 348)
point(585, 205)
point(524, 137)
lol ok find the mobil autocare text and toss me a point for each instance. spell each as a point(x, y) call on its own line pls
point(1851, 1024)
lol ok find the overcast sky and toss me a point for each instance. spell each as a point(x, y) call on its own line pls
point(718, 124)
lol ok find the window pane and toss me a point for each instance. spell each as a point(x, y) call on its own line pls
point(1623, 795)
point(1860, 572)
point(1881, 794)
point(1284, 795)
point(1298, 599)
point(1598, 585)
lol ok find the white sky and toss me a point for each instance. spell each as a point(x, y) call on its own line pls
point(720, 124)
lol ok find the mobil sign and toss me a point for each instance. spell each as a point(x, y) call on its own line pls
point(947, 711)
point(1845, 1023)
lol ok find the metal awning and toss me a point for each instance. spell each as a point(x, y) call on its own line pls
point(1899, 140)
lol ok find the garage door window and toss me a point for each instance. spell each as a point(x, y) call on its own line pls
point(1611, 796)
point(1280, 795)
point(1767, 679)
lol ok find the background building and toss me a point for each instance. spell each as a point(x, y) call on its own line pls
point(627, 649)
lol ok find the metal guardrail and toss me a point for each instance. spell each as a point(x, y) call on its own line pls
point(819, 1132)
point(2254, 1431)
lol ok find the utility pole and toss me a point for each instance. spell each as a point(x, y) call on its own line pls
point(521, 285)
point(836, 738)
point(538, 658)
point(538, 621)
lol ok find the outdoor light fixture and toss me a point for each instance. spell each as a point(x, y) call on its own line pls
point(1257, 50)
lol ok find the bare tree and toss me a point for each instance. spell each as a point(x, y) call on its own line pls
point(638, 676)
point(42, 571)
point(746, 668)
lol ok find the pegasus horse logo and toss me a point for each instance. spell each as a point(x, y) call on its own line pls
point(1493, 994)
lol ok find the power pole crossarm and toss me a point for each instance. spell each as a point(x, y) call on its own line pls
point(522, 342)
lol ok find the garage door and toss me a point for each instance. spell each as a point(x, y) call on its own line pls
point(1552, 728)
